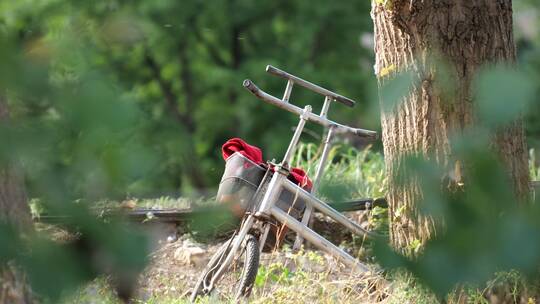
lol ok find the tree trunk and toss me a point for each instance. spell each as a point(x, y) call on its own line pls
point(466, 34)
point(14, 211)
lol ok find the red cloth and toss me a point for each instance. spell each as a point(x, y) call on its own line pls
point(238, 145)
point(297, 176)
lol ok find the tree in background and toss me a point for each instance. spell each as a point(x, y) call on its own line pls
point(442, 46)
point(185, 62)
point(14, 211)
point(110, 99)
point(182, 64)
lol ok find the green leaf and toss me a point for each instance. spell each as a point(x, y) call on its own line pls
point(503, 95)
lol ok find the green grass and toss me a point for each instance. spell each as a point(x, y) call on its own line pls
point(349, 174)
point(98, 291)
point(278, 283)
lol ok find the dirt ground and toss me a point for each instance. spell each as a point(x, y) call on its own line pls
point(284, 276)
point(308, 276)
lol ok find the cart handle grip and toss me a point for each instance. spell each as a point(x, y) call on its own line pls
point(310, 86)
point(338, 128)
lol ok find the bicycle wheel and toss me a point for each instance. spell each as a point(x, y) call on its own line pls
point(238, 278)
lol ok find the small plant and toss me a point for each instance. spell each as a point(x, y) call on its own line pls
point(534, 166)
point(379, 220)
point(275, 273)
point(36, 208)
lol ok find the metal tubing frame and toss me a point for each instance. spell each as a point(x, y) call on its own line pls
point(325, 107)
point(264, 236)
point(306, 218)
point(296, 137)
point(279, 180)
point(271, 194)
point(326, 209)
point(310, 86)
point(317, 240)
point(274, 187)
point(322, 162)
point(267, 207)
point(339, 128)
point(288, 90)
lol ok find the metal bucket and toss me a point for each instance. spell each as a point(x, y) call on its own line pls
point(239, 184)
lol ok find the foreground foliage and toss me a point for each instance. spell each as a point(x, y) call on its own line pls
point(101, 109)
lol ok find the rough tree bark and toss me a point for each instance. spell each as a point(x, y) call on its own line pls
point(14, 211)
point(466, 34)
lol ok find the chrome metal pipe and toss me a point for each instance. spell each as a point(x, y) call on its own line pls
point(288, 90)
point(310, 86)
point(275, 185)
point(272, 193)
point(327, 210)
point(325, 107)
point(317, 240)
point(296, 137)
point(339, 128)
point(306, 218)
point(322, 162)
point(264, 236)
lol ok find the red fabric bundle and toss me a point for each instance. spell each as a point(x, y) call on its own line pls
point(298, 176)
point(238, 145)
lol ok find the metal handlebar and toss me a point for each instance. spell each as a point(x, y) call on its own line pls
point(338, 128)
point(310, 86)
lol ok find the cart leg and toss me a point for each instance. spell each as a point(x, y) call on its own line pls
point(318, 240)
point(306, 218)
point(264, 236)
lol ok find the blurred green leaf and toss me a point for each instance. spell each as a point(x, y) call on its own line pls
point(395, 88)
point(503, 95)
point(480, 230)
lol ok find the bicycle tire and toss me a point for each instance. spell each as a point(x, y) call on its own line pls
point(250, 252)
point(251, 266)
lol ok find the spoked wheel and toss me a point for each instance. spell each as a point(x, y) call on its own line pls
point(238, 279)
